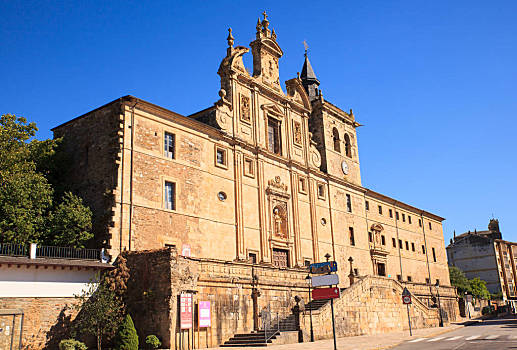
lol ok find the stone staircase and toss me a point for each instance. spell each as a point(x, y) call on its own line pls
point(258, 338)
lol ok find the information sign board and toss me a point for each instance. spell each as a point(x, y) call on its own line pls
point(325, 280)
point(323, 267)
point(205, 319)
point(406, 299)
point(325, 293)
point(186, 311)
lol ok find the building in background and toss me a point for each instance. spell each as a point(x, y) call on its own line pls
point(486, 255)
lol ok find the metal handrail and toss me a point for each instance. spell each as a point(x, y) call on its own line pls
point(13, 249)
point(68, 253)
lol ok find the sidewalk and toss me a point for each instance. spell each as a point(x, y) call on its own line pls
point(363, 342)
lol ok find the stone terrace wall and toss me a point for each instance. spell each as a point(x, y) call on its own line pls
point(45, 319)
point(371, 305)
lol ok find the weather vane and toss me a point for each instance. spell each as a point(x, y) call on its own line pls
point(306, 46)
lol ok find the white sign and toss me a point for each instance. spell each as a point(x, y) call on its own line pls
point(325, 280)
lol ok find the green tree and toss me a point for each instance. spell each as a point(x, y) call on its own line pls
point(127, 338)
point(70, 223)
point(29, 209)
point(459, 280)
point(478, 288)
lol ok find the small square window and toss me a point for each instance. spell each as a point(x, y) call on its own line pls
point(306, 262)
point(221, 158)
point(391, 213)
point(399, 278)
point(367, 205)
point(252, 257)
point(321, 191)
point(409, 279)
point(169, 144)
point(249, 167)
point(302, 185)
point(409, 218)
point(380, 209)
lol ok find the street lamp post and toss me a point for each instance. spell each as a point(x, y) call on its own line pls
point(437, 285)
point(309, 282)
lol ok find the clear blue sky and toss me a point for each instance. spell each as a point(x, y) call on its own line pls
point(433, 82)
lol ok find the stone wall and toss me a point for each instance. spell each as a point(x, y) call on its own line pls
point(371, 305)
point(44, 320)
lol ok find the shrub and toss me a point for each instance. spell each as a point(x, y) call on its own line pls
point(153, 342)
point(127, 339)
point(71, 344)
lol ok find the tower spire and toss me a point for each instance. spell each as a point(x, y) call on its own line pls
point(308, 77)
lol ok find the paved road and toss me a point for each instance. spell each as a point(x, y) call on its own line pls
point(496, 334)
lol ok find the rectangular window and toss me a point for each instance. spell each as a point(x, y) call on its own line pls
point(169, 141)
point(370, 237)
point(351, 235)
point(170, 195)
point(427, 280)
point(400, 243)
point(273, 136)
point(397, 215)
point(356, 272)
point(409, 279)
point(302, 185)
point(434, 255)
point(249, 167)
point(407, 245)
point(409, 218)
point(419, 222)
point(306, 262)
point(221, 159)
point(394, 242)
point(252, 258)
point(403, 217)
point(412, 246)
point(380, 210)
point(430, 227)
point(391, 213)
point(399, 278)
point(348, 203)
point(367, 205)
point(383, 240)
point(321, 191)
point(423, 249)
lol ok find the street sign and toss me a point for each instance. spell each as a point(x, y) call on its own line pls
point(325, 280)
point(406, 299)
point(325, 293)
point(405, 292)
point(323, 267)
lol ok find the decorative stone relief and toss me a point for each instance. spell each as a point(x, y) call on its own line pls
point(297, 132)
point(277, 184)
point(245, 108)
point(280, 220)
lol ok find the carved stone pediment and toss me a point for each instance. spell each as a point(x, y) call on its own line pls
point(277, 184)
point(377, 228)
point(273, 109)
point(296, 91)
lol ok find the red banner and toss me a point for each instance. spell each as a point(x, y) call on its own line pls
point(325, 293)
point(186, 311)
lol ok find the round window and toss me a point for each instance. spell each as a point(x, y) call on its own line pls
point(222, 196)
point(323, 221)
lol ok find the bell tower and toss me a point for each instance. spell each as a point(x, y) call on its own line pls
point(266, 54)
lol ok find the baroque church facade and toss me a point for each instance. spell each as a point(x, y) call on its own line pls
point(245, 194)
point(263, 175)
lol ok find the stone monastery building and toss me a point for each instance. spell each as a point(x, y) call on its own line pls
point(262, 178)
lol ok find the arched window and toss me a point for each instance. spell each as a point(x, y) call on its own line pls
point(348, 146)
point(335, 138)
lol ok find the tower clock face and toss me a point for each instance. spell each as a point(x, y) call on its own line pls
point(344, 167)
